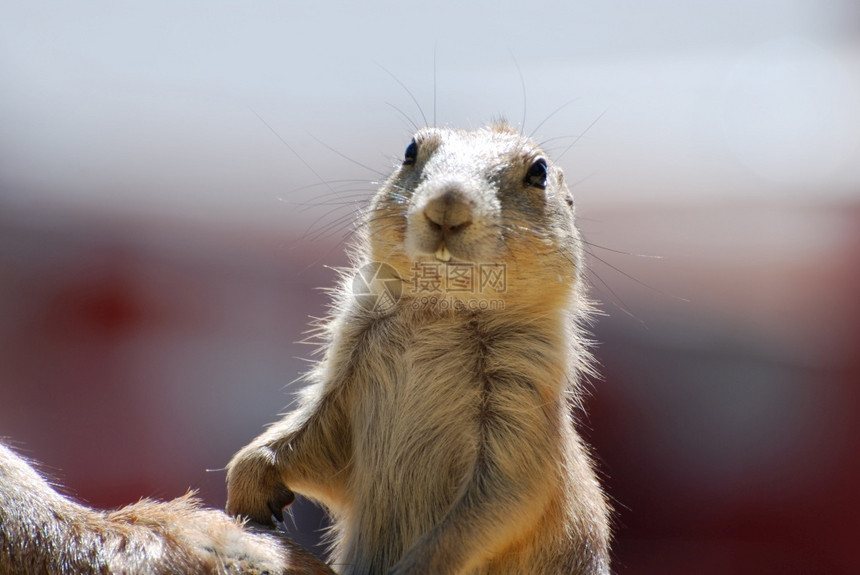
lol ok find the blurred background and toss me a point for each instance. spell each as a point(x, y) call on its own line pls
point(176, 178)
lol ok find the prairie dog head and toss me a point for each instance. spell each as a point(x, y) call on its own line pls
point(481, 200)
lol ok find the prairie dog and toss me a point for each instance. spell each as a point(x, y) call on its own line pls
point(44, 533)
point(437, 429)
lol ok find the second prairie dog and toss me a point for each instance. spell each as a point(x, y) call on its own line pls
point(438, 429)
point(43, 532)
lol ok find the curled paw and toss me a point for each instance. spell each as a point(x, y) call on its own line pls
point(256, 489)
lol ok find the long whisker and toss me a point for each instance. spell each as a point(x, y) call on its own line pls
point(635, 279)
point(617, 301)
point(621, 251)
point(547, 119)
point(406, 117)
point(584, 132)
point(523, 88)
point(408, 91)
point(347, 158)
point(435, 83)
point(291, 149)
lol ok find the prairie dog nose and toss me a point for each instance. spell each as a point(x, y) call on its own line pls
point(449, 211)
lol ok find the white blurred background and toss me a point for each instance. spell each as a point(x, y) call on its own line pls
point(175, 176)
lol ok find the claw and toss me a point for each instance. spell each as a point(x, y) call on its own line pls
point(281, 499)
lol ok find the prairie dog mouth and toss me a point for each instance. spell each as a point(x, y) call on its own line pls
point(442, 254)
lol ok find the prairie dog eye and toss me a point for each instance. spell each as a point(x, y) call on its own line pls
point(411, 154)
point(536, 176)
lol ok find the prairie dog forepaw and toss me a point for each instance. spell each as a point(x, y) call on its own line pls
point(255, 488)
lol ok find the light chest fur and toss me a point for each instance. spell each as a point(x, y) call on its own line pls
point(431, 389)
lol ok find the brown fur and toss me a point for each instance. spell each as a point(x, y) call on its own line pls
point(442, 440)
point(44, 533)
